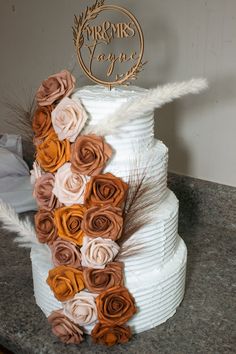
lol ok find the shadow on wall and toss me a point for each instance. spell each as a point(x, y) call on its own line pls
point(166, 129)
point(161, 50)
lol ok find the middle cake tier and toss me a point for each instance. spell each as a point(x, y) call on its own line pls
point(150, 164)
point(157, 239)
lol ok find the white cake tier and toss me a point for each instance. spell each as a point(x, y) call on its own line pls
point(157, 291)
point(152, 164)
point(157, 238)
point(100, 102)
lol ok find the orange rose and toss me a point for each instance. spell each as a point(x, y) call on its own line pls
point(89, 155)
point(45, 228)
point(52, 153)
point(68, 221)
point(99, 280)
point(115, 306)
point(42, 123)
point(106, 222)
point(65, 282)
point(105, 189)
point(103, 334)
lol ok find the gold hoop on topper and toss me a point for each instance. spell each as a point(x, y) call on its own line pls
point(92, 36)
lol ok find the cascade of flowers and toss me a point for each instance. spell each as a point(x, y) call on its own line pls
point(80, 218)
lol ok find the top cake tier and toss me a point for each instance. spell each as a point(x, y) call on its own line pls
point(100, 102)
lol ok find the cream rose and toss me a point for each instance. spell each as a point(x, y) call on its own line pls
point(82, 308)
point(55, 87)
point(97, 252)
point(69, 187)
point(68, 119)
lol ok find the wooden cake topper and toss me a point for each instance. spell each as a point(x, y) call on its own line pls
point(110, 52)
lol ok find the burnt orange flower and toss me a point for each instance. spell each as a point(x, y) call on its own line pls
point(65, 282)
point(105, 189)
point(52, 153)
point(110, 335)
point(42, 123)
point(68, 221)
point(115, 306)
point(45, 228)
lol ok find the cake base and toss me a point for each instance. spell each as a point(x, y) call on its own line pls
point(157, 293)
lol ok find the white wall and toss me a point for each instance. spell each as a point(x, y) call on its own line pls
point(183, 39)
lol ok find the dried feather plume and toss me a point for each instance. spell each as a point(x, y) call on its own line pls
point(141, 203)
point(155, 98)
point(22, 115)
point(24, 228)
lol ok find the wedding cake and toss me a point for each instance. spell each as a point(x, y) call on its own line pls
point(108, 126)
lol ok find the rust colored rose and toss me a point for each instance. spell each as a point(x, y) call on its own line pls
point(89, 155)
point(105, 189)
point(65, 253)
point(43, 192)
point(104, 334)
point(45, 228)
point(64, 329)
point(99, 280)
point(115, 306)
point(106, 222)
point(55, 87)
point(65, 282)
point(52, 153)
point(42, 123)
point(68, 221)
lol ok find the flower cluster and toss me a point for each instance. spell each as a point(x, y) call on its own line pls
point(80, 217)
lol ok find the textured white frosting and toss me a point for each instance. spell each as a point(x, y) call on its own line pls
point(158, 238)
point(100, 102)
point(156, 275)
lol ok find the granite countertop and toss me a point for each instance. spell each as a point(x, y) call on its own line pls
point(204, 323)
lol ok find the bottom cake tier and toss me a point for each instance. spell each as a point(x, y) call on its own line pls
point(157, 292)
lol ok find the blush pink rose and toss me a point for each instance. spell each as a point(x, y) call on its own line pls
point(64, 329)
point(68, 119)
point(65, 253)
point(97, 252)
point(43, 192)
point(55, 87)
point(69, 187)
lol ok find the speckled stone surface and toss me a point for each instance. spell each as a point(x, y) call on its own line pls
point(204, 323)
point(204, 202)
